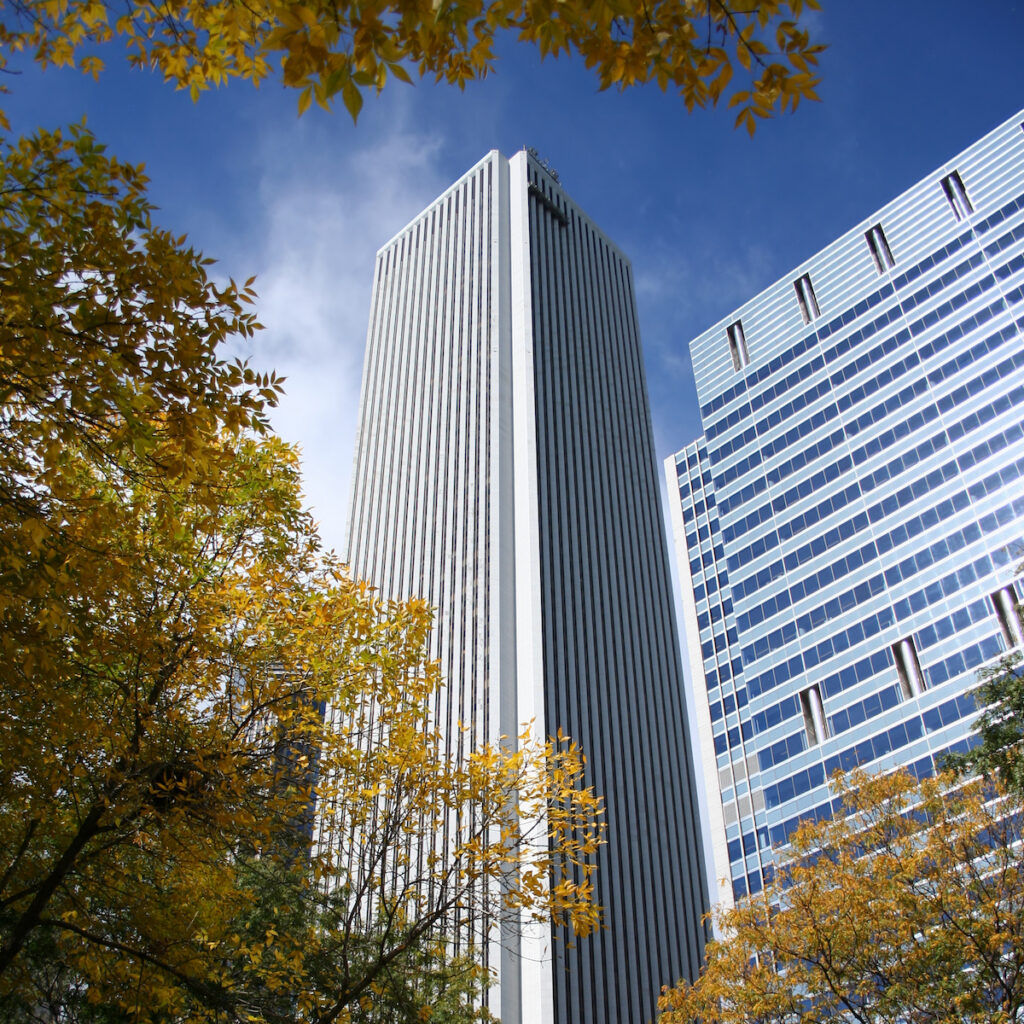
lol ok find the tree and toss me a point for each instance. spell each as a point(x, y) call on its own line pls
point(342, 47)
point(907, 908)
point(1000, 726)
point(170, 635)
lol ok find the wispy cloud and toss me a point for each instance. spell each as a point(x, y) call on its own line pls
point(321, 223)
point(691, 287)
point(681, 292)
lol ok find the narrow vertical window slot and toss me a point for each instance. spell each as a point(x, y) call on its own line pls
point(806, 298)
point(814, 715)
point(737, 346)
point(956, 195)
point(908, 668)
point(880, 251)
point(1008, 611)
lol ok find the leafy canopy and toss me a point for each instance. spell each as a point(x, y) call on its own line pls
point(170, 636)
point(1000, 726)
point(911, 908)
point(327, 48)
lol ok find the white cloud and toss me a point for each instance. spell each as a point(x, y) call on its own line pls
point(693, 288)
point(320, 225)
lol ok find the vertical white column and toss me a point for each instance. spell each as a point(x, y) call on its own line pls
point(705, 764)
point(535, 946)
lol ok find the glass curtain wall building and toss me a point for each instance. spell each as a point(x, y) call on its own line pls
point(849, 526)
point(505, 472)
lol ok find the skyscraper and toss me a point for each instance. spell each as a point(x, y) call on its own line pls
point(505, 472)
point(850, 524)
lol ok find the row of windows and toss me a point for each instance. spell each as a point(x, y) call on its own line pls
point(912, 565)
point(809, 397)
point(698, 508)
point(729, 704)
point(1010, 268)
point(788, 529)
point(721, 671)
point(947, 280)
point(942, 588)
point(974, 387)
point(718, 644)
point(849, 675)
point(815, 654)
point(889, 697)
point(881, 256)
point(703, 566)
point(731, 739)
point(745, 587)
point(939, 256)
point(950, 711)
point(837, 606)
point(779, 834)
point(934, 259)
point(725, 671)
point(903, 308)
point(948, 625)
point(947, 403)
point(704, 532)
point(762, 398)
point(797, 784)
point(989, 523)
point(1004, 241)
point(863, 710)
point(752, 882)
point(866, 668)
point(800, 374)
point(879, 476)
point(964, 660)
point(883, 743)
point(838, 534)
point(694, 483)
point(994, 219)
point(715, 612)
point(776, 475)
point(710, 584)
point(883, 378)
point(746, 846)
point(931, 720)
point(900, 735)
point(706, 529)
point(787, 747)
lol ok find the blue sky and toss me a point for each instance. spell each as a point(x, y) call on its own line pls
point(707, 215)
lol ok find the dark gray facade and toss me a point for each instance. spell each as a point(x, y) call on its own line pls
point(612, 677)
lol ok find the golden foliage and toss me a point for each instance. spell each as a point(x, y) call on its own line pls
point(911, 908)
point(170, 636)
point(331, 48)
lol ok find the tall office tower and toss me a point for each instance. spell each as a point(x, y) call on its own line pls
point(505, 472)
point(849, 525)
